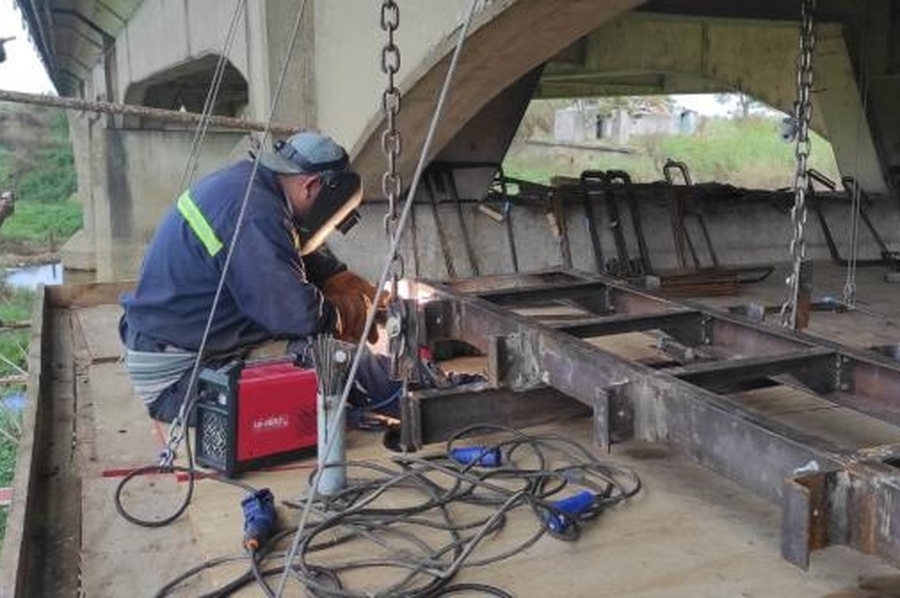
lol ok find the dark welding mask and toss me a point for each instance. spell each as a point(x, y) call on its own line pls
point(334, 208)
point(341, 192)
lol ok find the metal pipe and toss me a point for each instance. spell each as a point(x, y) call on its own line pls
point(142, 111)
point(331, 421)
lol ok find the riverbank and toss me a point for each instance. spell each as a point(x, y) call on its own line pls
point(9, 260)
point(16, 253)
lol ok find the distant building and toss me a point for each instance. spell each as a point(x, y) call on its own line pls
point(574, 125)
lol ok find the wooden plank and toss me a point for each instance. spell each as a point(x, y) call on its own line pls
point(125, 436)
point(88, 294)
point(96, 323)
point(122, 559)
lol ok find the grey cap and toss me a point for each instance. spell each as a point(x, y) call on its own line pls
point(306, 152)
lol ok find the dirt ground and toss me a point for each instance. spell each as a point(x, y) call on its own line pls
point(15, 254)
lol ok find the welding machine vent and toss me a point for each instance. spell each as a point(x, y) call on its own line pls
point(252, 415)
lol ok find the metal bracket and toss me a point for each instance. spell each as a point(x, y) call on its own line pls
point(613, 416)
point(805, 511)
point(513, 362)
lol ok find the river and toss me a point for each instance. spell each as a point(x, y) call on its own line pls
point(28, 277)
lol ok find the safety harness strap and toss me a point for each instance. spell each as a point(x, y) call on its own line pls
point(195, 219)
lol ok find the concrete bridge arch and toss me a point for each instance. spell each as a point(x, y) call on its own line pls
point(517, 50)
point(187, 85)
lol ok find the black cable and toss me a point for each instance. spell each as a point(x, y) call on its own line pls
point(426, 540)
point(471, 587)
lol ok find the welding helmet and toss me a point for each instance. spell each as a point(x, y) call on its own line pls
point(335, 207)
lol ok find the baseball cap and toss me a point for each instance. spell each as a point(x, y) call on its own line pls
point(306, 152)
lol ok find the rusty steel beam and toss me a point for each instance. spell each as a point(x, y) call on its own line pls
point(685, 318)
point(434, 415)
point(830, 494)
point(817, 366)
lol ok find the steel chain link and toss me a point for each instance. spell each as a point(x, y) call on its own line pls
point(802, 116)
point(391, 181)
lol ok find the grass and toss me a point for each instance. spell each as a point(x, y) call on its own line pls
point(745, 153)
point(15, 305)
point(39, 167)
point(10, 428)
point(42, 223)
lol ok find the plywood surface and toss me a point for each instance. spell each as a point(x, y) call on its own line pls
point(690, 533)
point(100, 325)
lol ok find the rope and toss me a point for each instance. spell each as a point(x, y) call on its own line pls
point(190, 167)
point(849, 291)
point(177, 429)
point(379, 288)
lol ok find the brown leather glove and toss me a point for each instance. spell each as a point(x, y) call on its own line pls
point(352, 296)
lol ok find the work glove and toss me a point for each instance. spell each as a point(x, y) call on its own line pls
point(352, 296)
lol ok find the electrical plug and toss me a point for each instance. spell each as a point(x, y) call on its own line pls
point(483, 456)
point(259, 518)
point(563, 513)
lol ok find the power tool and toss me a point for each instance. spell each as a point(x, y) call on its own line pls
point(255, 414)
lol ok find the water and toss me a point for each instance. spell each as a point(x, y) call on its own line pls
point(29, 277)
point(14, 402)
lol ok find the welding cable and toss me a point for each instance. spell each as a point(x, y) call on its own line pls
point(167, 589)
point(191, 473)
point(430, 566)
point(190, 167)
point(245, 580)
point(430, 539)
point(258, 576)
point(468, 588)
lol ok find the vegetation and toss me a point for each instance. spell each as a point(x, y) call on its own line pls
point(15, 305)
point(745, 152)
point(36, 162)
point(10, 428)
point(42, 225)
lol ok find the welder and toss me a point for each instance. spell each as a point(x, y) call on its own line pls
point(277, 284)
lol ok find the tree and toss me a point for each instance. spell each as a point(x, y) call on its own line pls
point(745, 102)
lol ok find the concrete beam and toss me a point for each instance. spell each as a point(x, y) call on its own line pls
point(499, 51)
point(651, 53)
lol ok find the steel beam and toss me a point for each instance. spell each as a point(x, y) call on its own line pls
point(830, 494)
point(434, 416)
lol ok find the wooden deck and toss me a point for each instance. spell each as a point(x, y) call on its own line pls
point(689, 533)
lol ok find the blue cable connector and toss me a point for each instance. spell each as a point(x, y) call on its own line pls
point(259, 518)
point(565, 512)
point(483, 456)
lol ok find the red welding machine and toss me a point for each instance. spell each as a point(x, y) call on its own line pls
point(255, 414)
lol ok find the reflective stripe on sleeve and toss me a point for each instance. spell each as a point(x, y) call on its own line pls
point(191, 213)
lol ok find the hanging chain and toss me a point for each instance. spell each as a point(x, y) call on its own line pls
point(391, 181)
point(802, 116)
point(391, 142)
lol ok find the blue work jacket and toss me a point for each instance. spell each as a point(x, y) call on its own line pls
point(269, 292)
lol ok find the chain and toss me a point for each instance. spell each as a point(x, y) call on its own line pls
point(802, 116)
point(391, 142)
point(391, 181)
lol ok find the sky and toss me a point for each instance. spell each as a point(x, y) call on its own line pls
point(22, 70)
point(702, 103)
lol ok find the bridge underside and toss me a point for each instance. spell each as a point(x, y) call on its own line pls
point(164, 54)
point(582, 237)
